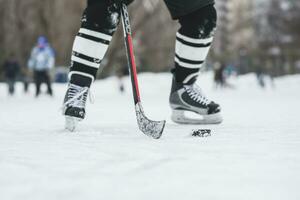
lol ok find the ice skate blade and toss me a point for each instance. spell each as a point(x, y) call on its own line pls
point(71, 123)
point(180, 117)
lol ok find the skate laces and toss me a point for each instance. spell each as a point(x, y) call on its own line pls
point(77, 96)
point(195, 92)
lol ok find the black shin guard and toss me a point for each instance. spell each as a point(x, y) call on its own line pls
point(99, 22)
point(193, 42)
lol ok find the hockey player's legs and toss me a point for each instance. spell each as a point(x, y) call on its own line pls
point(11, 86)
point(48, 83)
point(193, 42)
point(99, 22)
point(38, 81)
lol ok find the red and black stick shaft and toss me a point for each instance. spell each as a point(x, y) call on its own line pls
point(130, 53)
point(149, 127)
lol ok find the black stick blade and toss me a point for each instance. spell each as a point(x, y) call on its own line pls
point(150, 128)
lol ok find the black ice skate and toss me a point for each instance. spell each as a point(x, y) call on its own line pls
point(74, 105)
point(189, 98)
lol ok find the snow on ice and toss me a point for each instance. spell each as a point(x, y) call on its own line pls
point(253, 155)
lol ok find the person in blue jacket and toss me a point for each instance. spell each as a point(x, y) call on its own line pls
point(42, 60)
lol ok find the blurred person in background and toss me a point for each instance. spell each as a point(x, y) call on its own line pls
point(260, 75)
point(121, 72)
point(25, 78)
point(11, 71)
point(41, 61)
point(222, 74)
point(197, 20)
point(220, 78)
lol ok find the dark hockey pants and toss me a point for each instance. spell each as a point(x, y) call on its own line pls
point(42, 77)
point(11, 85)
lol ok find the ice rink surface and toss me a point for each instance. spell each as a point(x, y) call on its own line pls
point(253, 155)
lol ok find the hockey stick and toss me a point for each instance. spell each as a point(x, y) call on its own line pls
point(150, 128)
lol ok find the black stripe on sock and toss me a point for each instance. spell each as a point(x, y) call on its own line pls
point(95, 39)
point(192, 62)
point(193, 44)
point(181, 73)
point(85, 57)
point(78, 67)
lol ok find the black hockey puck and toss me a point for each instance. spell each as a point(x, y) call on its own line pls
point(201, 133)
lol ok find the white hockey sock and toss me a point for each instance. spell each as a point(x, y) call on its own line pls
point(89, 49)
point(190, 56)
